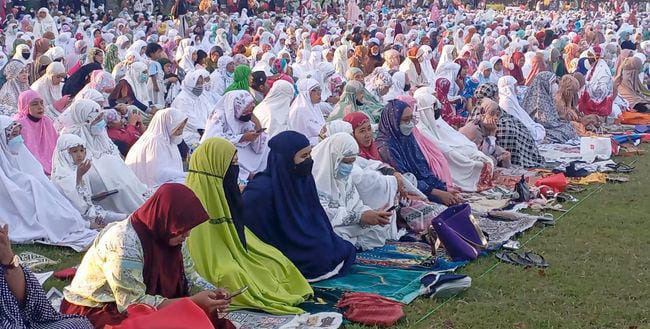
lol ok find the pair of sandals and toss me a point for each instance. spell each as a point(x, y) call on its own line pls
point(620, 168)
point(526, 259)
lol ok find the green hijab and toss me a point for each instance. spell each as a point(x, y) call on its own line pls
point(348, 103)
point(240, 79)
point(111, 59)
point(275, 285)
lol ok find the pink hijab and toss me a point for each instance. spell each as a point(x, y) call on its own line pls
point(40, 137)
point(435, 158)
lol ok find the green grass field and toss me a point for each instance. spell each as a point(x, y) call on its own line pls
point(599, 275)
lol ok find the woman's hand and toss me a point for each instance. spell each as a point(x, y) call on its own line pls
point(6, 254)
point(447, 198)
point(249, 136)
point(372, 217)
point(212, 301)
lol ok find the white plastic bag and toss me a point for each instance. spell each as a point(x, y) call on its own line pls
point(593, 148)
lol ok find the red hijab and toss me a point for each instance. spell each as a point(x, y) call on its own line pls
point(442, 90)
point(515, 69)
point(173, 210)
point(356, 119)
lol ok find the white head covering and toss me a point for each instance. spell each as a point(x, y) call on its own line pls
point(155, 158)
point(19, 54)
point(55, 53)
point(30, 201)
point(273, 111)
point(509, 103)
point(478, 75)
point(132, 76)
point(186, 63)
point(78, 119)
point(340, 60)
point(424, 55)
point(196, 111)
point(397, 88)
point(108, 167)
point(447, 56)
point(49, 92)
point(327, 157)
point(46, 24)
point(304, 116)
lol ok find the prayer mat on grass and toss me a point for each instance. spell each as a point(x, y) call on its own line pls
point(397, 284)
point(407, 256)
point(499, 232)
point(253, 320)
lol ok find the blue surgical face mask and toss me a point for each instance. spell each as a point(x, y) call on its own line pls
point(98, 127)
point(14, 144)
point(406, 128)
point(344, 170)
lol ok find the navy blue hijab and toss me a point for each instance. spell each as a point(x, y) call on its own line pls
point(403, 152)
point(283, 210)
point(582, 66)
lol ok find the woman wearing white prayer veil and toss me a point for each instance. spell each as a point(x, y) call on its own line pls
point(273, 111)
point(340, 60)
point(69, 162)
point(222, 77)
point(186, 63)
point(468, 165)
point(265, 63)
point(44, 23)
point(108, 172)
point(509, 103)
point(449, 54)
point(49, 87)
point(400, 86)
point(31, 204)
point(306, 116)
point(221, 40)
point(155, 157)
point(424, 55)
point(190, 102)
point(233, 120)
point(350, 217)
point(138, 47)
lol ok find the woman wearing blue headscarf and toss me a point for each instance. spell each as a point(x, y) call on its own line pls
point(399, 148)
point(282, 208)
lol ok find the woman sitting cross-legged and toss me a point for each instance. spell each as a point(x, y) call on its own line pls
point(352, 218)
point(281, 206)
point(398, 147)
point(224, 251)
point(141, 260)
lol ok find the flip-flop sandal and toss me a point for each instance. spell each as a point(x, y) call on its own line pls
point(574, 189)
point(533, 259)
point(506, 256)
point(618, 179)
point(565, 197)
point(546, 219)
point(621, 168)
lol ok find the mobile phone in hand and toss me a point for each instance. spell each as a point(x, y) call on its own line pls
point(260, 130)
point(238, 292)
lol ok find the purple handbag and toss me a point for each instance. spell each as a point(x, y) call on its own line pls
point(459, 233)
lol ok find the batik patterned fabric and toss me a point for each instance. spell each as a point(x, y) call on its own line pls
point(37, 312)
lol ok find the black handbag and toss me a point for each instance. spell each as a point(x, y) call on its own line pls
point(522, 192)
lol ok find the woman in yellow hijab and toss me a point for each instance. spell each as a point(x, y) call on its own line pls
point(226, 253)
